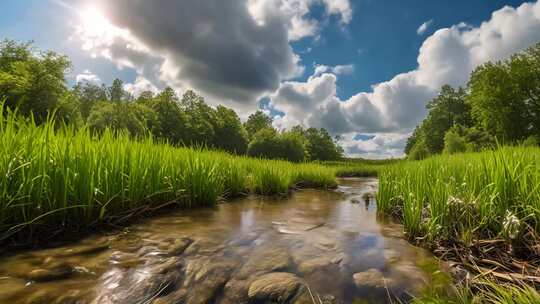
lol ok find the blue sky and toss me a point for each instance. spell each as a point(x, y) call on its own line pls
point(355, 67)
point(382, 41)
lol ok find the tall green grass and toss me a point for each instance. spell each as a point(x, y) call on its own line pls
point(59, 177)
point(493, 194)
point(487, 292)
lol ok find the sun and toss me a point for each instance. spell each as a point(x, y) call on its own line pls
point(93, 20)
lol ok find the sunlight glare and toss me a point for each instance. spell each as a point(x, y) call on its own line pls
point(94, 21)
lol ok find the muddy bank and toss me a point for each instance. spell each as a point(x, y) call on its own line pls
point(326, 245)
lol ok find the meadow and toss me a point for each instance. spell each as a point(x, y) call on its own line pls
point(479, 209)
point(59, 178)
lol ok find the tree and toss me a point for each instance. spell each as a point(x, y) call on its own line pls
point(229, 132)
point(68, 109)
point(145, 97)
point(292, 147)
point(117, 92)
point(200, 118)
point(170, 121)
point(131, 117)
point(32, 82)
point(446, 110)
point(256, 122)
point(454, 142)
point(268, 143)
point(321, 146)
point(419, 151)
point(89, 94)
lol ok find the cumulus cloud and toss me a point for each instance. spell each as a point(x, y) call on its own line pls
point(337, 70)
point(87, 76)
point(424, 27)
point(382, 145)
point(231, 52)
point(396, 106)
point(140, 85)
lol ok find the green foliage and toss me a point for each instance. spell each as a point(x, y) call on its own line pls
point(117, 92)
point(319, 144)
point(446, 110)
point(454, 142)
point(505, 96)
point(32, 83)
point(230, 134)
point(532, 141)
point(131, 117)
point(88, 95)
point(256, 122)
point(62, 177)
point(465, 196)
point(268, 143)
point(419, 151)
point(200, 119)
point(171, 121)
point(501, 105)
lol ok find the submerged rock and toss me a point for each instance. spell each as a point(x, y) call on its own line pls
point(306, 298)
point(179, 246)
point(265, 260)
point(157, 278)
point(312, 265)
point(206, 278)
point(236, 292)
point(57, 271)
point(86, 249)
point(371, 278)
point(277, 287)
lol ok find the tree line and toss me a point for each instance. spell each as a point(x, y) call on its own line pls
point(34, 84)
point(500, 105)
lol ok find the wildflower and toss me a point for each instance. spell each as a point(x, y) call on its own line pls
point(511, 225)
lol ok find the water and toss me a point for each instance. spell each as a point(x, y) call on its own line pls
point(327, 239)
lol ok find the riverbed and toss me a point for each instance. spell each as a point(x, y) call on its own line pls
point(312, 247)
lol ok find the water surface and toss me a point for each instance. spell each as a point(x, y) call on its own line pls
point(332, 241)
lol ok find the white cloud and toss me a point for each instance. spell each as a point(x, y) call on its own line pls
point(424, 27)
point(88, 76)
point(398, 105)
point(296, 14)
point(231, 52)
point(337, 70)
point(140, 85)
point(235, 53)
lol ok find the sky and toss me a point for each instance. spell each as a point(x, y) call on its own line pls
point(362, 69)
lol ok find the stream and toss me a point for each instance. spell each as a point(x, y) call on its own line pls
point(312, 247)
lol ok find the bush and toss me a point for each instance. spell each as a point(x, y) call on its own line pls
point(532, 141)
point(268, 143)
point(419, 151)
point(454, 142)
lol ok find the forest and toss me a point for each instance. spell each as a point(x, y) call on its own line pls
point(34, 84)
point(499, 106)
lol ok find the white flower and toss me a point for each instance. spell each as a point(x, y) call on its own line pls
point(511, 225)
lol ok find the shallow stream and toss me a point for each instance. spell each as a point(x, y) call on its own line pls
point(313, 247)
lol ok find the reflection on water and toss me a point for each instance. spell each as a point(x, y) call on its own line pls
point(331, 242)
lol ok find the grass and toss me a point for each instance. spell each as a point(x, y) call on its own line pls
point(487, 292)
point(359, 167)
point(481, 210)
point(479, 195)
point(62, 178)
